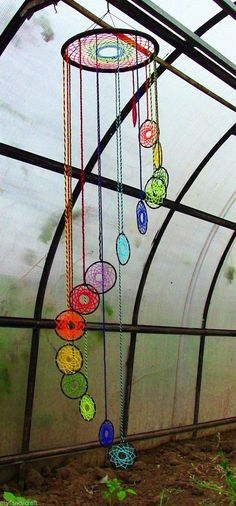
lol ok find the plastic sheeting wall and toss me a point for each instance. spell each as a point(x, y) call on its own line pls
point(31, 203)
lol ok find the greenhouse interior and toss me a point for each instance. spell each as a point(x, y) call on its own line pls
point(118, 270)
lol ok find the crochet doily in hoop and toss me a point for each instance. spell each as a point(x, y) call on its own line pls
point(142, 217)
point(69, 359)
point(106, 433)
point(74, 385)
point(110, 49)
point(148, 133)
point(84, 299)
point(87, 407)
point(69, 325)
point(155, 191)
point(122, 455)
point(122, 248)
point(101, 275)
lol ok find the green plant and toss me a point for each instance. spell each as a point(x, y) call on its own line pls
point(228, 489)
point(115, 491)
point(166, 493)
point(164, 496)
point(13, 500)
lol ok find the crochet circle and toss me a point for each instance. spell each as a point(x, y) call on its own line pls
point(106, 433)
point(84, 299)
point(74, 385)
point(142, 217)
point(69, 359)
point(107, 50)
point(162, 174)
point(101, 276)
point(122, 248)
point(69, 325)
point(122, 455)
point(155, 191)
point(148, 133)
point(87, 407)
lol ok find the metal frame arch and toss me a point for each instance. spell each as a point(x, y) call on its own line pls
point(204, 321)
point(50, 257)
point(155, 244)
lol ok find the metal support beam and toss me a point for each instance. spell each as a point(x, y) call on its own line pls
point(58, 167)
point(70, 450)
point(227, 6)
point(43, 323)
point(174, 40)
point(163, 63)
point(190, 37)
point(204, 321)
point(153, 250)
point(27, 9)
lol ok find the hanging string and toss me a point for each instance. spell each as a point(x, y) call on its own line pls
point(134, 106)
point(139, 123)
point(151, 111)
point(119, 153)
point(82, 178)
point(156, 94)
point(67, 177)
point(120, 229)
point(100, 227)
point(82, 182)
point(85, 355)
point(150, 91)
point(147, 104)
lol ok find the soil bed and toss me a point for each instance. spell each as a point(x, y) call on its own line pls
point(164, 472)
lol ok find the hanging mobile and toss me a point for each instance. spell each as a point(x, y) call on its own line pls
point(111, 51)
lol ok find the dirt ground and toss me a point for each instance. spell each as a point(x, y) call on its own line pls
point(160, 476)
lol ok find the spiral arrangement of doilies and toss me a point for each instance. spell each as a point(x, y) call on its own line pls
point(109, 51)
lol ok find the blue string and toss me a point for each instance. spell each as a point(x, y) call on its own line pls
point(139, 121)
point(100, 226)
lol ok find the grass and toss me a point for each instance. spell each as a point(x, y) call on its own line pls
point(228, 487)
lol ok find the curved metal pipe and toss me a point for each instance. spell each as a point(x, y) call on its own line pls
point(204, 320)
point(155, 244)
